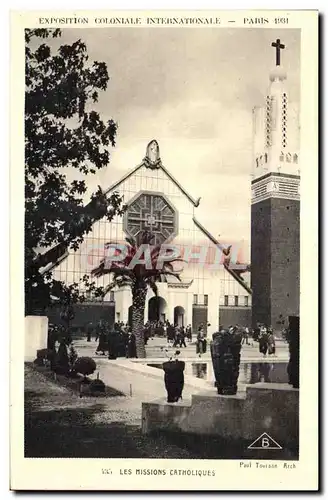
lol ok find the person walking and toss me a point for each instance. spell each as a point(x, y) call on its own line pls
point(89, 331)
point(103, 341)
point(200, 344)
point(271, 343)
point(189, 333)
point(131, 350)
point(263, 341)
point(245, 336)
point(181, 337)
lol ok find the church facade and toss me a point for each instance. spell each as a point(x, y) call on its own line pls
point(157, 202)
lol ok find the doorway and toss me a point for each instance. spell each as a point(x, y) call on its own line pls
point(157, 309)
point(179, 313)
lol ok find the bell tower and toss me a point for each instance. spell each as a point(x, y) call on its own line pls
point(275, 211)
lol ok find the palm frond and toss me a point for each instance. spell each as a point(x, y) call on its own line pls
point(131, 241)
point(122, 271)
point(153, 286)
point(121, 281)
point(156, 273)
point(101, 270)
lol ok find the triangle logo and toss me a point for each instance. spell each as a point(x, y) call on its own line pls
point(264, 442)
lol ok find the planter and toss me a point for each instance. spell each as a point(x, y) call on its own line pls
point(174, 379)
point(225, 353)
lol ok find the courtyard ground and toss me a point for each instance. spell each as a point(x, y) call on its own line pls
point(59, 424)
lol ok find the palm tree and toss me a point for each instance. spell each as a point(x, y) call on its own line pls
point(139, 278)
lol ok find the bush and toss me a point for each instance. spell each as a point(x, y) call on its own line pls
point(38, 362)
point(43, 356)
point(43, 353)
point(85, 366)
point(97, 386)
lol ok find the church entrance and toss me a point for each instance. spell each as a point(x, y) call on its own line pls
point(156, 309)
point(179, 315)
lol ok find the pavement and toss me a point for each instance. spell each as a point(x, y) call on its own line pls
point(143, 383)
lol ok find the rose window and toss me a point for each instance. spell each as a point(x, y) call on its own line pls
point(151, 212)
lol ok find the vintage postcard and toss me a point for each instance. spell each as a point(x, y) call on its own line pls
point(164, 183)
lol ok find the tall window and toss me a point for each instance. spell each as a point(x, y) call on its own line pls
point(111, 296)
point(246, 300)
point(205, 300)
point(226, 300)
point(195, 300)
point(236, 300)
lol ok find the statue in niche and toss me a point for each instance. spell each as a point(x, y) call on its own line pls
point(152, 158)
point(288, 157)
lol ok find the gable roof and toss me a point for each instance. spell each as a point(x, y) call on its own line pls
point(225, 265)
point(159, 166)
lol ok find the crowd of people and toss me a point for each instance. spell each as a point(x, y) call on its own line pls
point(176, 335)
point(261, 334)
point(121, 341)
point(118, 341)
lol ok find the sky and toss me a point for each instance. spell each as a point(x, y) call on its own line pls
point(193, 90)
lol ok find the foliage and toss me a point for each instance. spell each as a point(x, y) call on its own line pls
point(62, 132)
point(85, 365)
point(97, 386)
point(42, 353)
point(138, 277)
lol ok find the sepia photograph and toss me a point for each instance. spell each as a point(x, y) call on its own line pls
point(162, 243)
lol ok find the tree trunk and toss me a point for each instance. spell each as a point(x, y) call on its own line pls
point(139, 292)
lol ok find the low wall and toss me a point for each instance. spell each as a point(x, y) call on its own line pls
point(270, 408)
point(36, 335)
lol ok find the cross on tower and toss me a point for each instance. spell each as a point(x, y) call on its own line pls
point(278, 46)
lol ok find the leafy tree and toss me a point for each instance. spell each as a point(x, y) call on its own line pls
point(62, 133)
point(138, 277)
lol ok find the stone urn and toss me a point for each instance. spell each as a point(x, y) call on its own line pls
point(225, 353)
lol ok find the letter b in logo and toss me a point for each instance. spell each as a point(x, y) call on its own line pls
point(265, 442)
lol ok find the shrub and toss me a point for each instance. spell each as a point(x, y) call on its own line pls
point(38, 361)
point(97, 386)
point(85, 366)
point(42, 353)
